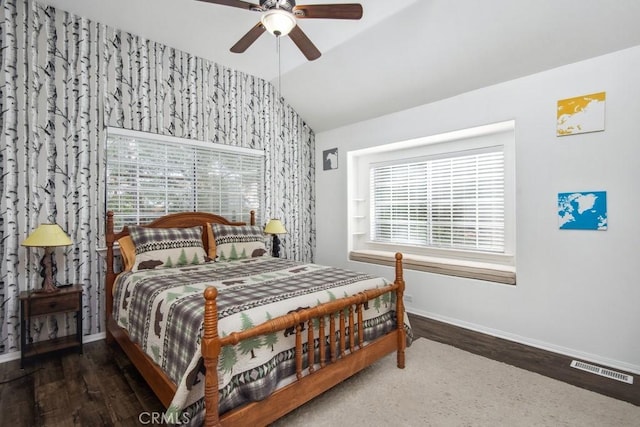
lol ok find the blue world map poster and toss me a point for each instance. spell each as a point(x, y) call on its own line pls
point(582, 210)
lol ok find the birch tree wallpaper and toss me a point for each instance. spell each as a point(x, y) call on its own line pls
point(64, 79)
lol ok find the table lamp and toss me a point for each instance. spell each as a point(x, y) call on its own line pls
point(275, 227)
point(47, 236)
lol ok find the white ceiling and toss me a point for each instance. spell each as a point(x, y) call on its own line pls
point(401, 54)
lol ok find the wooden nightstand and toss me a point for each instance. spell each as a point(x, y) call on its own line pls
point(67, 300)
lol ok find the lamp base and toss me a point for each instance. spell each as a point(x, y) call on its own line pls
point(47, 262)
point(275, 247)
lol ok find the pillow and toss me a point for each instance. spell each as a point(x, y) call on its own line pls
point(238, 241)
point(127, 252)
point(167, 247)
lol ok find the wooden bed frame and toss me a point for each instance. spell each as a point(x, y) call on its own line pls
point(310, 382)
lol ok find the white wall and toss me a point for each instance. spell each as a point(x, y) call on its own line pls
point(577, 292)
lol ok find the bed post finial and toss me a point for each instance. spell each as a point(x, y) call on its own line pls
point(210, 353)
point(252, 217)
point(399, 273)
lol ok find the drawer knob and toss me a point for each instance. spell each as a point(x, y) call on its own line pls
point(52, 304)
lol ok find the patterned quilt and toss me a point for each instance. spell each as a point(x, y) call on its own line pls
point(162, 310)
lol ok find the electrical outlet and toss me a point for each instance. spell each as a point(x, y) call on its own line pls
point(408, 298)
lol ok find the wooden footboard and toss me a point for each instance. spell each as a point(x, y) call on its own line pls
point(337, 361)
point(342, 354)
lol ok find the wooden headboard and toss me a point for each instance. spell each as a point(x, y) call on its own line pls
point(176, 220)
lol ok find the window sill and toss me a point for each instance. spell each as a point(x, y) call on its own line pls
point(470, 269)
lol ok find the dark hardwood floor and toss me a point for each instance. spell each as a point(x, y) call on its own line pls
point(98, 388)
point(102, 388)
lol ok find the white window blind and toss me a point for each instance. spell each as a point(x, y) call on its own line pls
point(454, 201)
point(149, 176)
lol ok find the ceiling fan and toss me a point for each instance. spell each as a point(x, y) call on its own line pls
point(279, 18)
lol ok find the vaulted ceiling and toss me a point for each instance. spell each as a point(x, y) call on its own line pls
point(401, 54)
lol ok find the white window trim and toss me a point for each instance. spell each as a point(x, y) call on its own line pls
point(492, 267)
point(128, 133)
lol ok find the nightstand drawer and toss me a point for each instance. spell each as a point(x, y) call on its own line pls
point(54, 304)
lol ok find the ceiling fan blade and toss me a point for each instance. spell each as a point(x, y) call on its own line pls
point(329, 11)
point(248, 39)
point(304, 44)
point(233, 3)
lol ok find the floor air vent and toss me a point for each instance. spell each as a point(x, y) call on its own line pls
point(603, 372)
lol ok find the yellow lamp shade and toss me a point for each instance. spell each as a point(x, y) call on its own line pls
point(275, 227)
point(47, 235)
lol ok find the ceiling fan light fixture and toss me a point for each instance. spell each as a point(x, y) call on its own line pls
point(278, 22)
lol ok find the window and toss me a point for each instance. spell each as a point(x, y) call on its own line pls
point(150, 175)
point(446, 202)
point(453, 202)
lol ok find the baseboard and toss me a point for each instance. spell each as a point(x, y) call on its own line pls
point(8, 357)
point(587, 357)
point(94, 337)
point(15, 355)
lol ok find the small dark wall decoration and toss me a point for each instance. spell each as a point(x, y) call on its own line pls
point(330, 159)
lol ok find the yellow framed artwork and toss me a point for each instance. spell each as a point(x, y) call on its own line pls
point(581, 114)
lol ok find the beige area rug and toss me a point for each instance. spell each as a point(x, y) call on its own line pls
point(444, 386)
